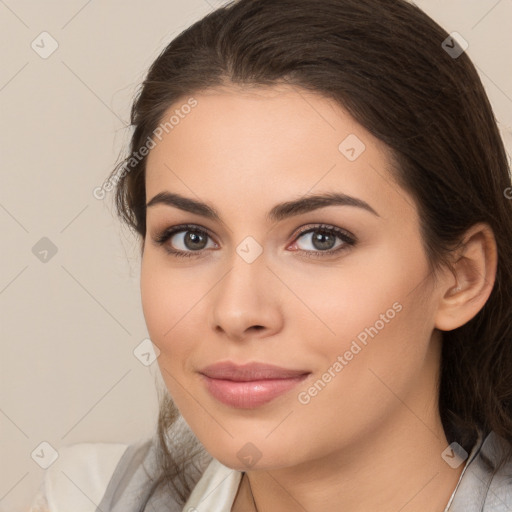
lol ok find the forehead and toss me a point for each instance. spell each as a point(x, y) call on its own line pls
point(263, 145)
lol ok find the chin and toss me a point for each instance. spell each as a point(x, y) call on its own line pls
point(251, 457)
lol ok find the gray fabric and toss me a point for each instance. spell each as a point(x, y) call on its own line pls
point(481, 491)
point(129, 488)
point(127, 471)
point(478, 490)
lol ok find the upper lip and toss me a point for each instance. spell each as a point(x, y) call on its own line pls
point(228, 370)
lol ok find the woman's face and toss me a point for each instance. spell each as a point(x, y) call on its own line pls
point(353, 310)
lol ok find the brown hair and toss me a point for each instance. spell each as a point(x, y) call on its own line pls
point(383, 61)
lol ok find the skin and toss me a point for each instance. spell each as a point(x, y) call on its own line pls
point(372, 438)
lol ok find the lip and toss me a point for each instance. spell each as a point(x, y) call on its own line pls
point(250, 385)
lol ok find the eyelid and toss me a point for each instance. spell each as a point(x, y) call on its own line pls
point(319, 226)
point(163, 235)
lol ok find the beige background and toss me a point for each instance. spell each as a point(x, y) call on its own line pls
point(69, 325)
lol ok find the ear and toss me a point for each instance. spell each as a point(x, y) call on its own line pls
point(466, 290)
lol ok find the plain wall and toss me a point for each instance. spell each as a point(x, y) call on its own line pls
point(70, 324)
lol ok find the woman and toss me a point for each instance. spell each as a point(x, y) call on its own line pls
point(320, 193)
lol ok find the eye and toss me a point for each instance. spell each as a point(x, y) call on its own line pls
point(189, 238)
point(322, 240)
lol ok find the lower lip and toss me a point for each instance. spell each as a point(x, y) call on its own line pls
point(250, 394)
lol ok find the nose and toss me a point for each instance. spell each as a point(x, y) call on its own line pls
point(246, 303)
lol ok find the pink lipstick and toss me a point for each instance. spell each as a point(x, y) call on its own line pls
point(250, 385)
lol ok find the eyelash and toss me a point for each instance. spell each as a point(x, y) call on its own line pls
point(349, 240)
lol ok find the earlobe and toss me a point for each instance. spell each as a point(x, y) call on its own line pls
point(465, 291)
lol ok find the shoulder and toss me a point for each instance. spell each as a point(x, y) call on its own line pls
point(499, 493)
point(482, 487)
point(81, 474)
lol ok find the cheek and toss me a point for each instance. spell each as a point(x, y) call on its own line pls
point(351, 296)
point(376, 319)
point(162, 308)
point(170, 300)
point(155, 301)
point(164, 298)
point(160, 303)
point(364, 373)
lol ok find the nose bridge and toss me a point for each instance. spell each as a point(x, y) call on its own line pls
point(245, 278)
point(245, 297)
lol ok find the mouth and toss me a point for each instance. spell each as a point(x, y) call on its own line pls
point(251, 385)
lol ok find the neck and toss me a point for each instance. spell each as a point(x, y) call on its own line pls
point(402, 470)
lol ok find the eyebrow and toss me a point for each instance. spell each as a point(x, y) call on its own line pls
point(277, 213)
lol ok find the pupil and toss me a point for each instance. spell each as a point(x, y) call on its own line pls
point(319, 241)
point(193, 238)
